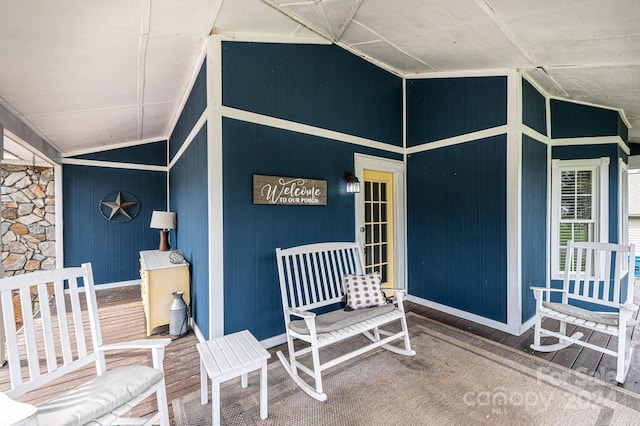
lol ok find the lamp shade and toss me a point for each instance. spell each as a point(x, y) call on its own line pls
point(163, 220)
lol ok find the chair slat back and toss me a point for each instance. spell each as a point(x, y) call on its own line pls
point(52, 339)
point(311, 275)
point(595, 272)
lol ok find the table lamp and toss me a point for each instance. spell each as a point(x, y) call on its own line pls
point(163, 221)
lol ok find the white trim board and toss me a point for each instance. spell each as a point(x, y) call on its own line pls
point(215, 186)
point(59, 211)
point(113, 165)
point(112, 147)
point(196, 330)
point(279, 123)
point(513, 226)
point(190, 137)
point(274, 341)
point(272, 38)
point(398, 169)
point(456, 140)
point(593, 140)
point(466, 315)
point(534, 134)
point(499, 72)
point(108, 286)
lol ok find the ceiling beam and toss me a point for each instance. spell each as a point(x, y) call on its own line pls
point(18, 125)
point(142, 62)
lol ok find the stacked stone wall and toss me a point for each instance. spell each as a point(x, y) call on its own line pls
point(28, 219)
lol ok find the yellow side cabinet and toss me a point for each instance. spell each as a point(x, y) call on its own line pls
point(159, 278)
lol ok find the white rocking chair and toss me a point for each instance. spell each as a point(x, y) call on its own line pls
point(52, 343)
point(594, 276)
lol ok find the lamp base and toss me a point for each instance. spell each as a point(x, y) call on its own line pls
point(164, 241)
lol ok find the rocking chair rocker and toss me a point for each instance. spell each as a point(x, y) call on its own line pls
point(593, 297)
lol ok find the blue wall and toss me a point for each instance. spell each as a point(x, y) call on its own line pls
point(456, 229)
point(189, 194)
point(569, 120)
point(534, 221)
point(441, 108)
point(154, 153)
point(533, 243)
point(189, 199)
point(193, 109)
point(320, 85)
point(253, 232)
point(534, 108)
point(112, 248)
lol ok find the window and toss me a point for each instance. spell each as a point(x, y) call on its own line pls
point(578, 206)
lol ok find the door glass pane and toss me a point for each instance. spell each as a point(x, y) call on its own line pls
point(378, 223)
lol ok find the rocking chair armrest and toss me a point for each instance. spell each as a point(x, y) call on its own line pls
point(137, 344)
point(547, 289)
point(301, 313)
point(630, 307)
point(155, 345)
point(394, 289)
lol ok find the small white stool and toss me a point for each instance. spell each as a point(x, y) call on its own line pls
point(226, 357)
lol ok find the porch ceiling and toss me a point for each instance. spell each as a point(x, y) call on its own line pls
point(89, 75)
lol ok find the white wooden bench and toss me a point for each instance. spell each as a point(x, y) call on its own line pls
point(311, 277)
point(594, 276)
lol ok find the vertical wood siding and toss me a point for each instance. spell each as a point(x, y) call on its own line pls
point(457, 226)
point(154, 153)
point(441, 108)
point(534, 109)
point(193, 109)
point(623, 130)
point(253, 232)
point(189, 199)
point(318, 85)
point(570, 120)
point(534, 221)
point(112, 248)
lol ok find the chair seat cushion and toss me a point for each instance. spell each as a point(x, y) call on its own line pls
point(98, 397)
point(605, 318)
point(335, 320)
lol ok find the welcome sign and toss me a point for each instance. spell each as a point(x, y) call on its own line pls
point(279, 190)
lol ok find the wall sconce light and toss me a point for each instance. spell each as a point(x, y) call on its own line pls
point(163, 221)
point(353, 184)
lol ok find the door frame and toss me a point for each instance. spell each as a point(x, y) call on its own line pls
point(397, 168)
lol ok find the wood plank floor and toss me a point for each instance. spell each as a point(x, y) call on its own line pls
point(122, 318)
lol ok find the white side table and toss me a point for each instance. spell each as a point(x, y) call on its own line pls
point(230, 356)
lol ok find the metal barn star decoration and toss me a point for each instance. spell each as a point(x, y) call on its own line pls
point(121, 210)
